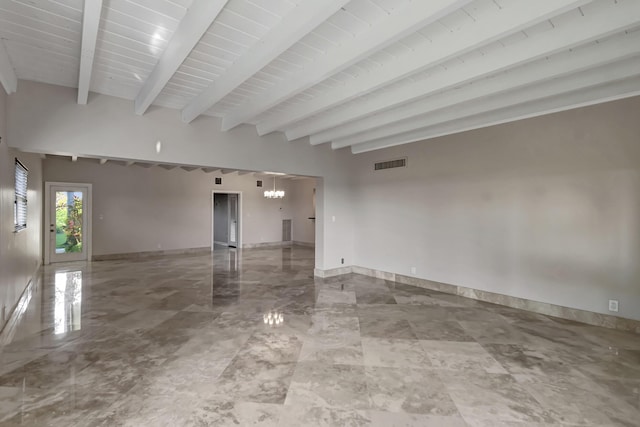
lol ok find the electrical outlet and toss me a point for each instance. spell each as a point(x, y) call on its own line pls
point(613, 305)
point(341, 260)
point(413, 270)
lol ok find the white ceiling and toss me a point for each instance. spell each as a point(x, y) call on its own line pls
point(365, 74)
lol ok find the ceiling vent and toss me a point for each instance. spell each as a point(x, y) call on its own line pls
point(389, 164)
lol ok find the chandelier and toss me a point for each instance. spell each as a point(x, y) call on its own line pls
point(274, 194)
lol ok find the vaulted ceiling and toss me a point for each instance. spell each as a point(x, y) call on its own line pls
point(364, 74)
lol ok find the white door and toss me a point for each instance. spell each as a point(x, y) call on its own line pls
point(69, 222)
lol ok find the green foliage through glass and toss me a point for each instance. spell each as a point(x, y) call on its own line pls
point(69, 221)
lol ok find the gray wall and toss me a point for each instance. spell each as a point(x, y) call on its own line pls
point(546, 209)
point(221, 218)
point(20, 253)
point(47, 118)
point(138, 209)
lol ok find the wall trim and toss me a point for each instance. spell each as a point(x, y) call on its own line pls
point(332, 272)
point(150, 254)
point(267, 245)
point(187, 251)
point(568, 313)
point(307, 244)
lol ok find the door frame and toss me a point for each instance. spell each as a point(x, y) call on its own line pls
point(241, 222)
point(88, 226)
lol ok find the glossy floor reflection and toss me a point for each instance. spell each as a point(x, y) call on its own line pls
point(250, 338)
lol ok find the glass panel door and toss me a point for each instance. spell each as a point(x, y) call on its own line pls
point(68, 219)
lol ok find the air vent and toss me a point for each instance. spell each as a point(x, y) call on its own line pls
point(389, 164)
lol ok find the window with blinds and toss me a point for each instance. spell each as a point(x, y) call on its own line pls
point(20, 210)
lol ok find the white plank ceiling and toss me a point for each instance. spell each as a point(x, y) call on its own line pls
point(358, 74)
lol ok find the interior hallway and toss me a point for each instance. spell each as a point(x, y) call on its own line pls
point(187, 340)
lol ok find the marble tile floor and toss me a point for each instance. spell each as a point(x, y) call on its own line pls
point(250, 338)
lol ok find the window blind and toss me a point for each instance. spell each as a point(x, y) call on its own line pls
point(20, 210)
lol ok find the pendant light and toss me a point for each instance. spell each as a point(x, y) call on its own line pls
point(274, 194)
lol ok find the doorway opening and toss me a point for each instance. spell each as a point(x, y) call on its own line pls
point(226, 223)
point(68, 213)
